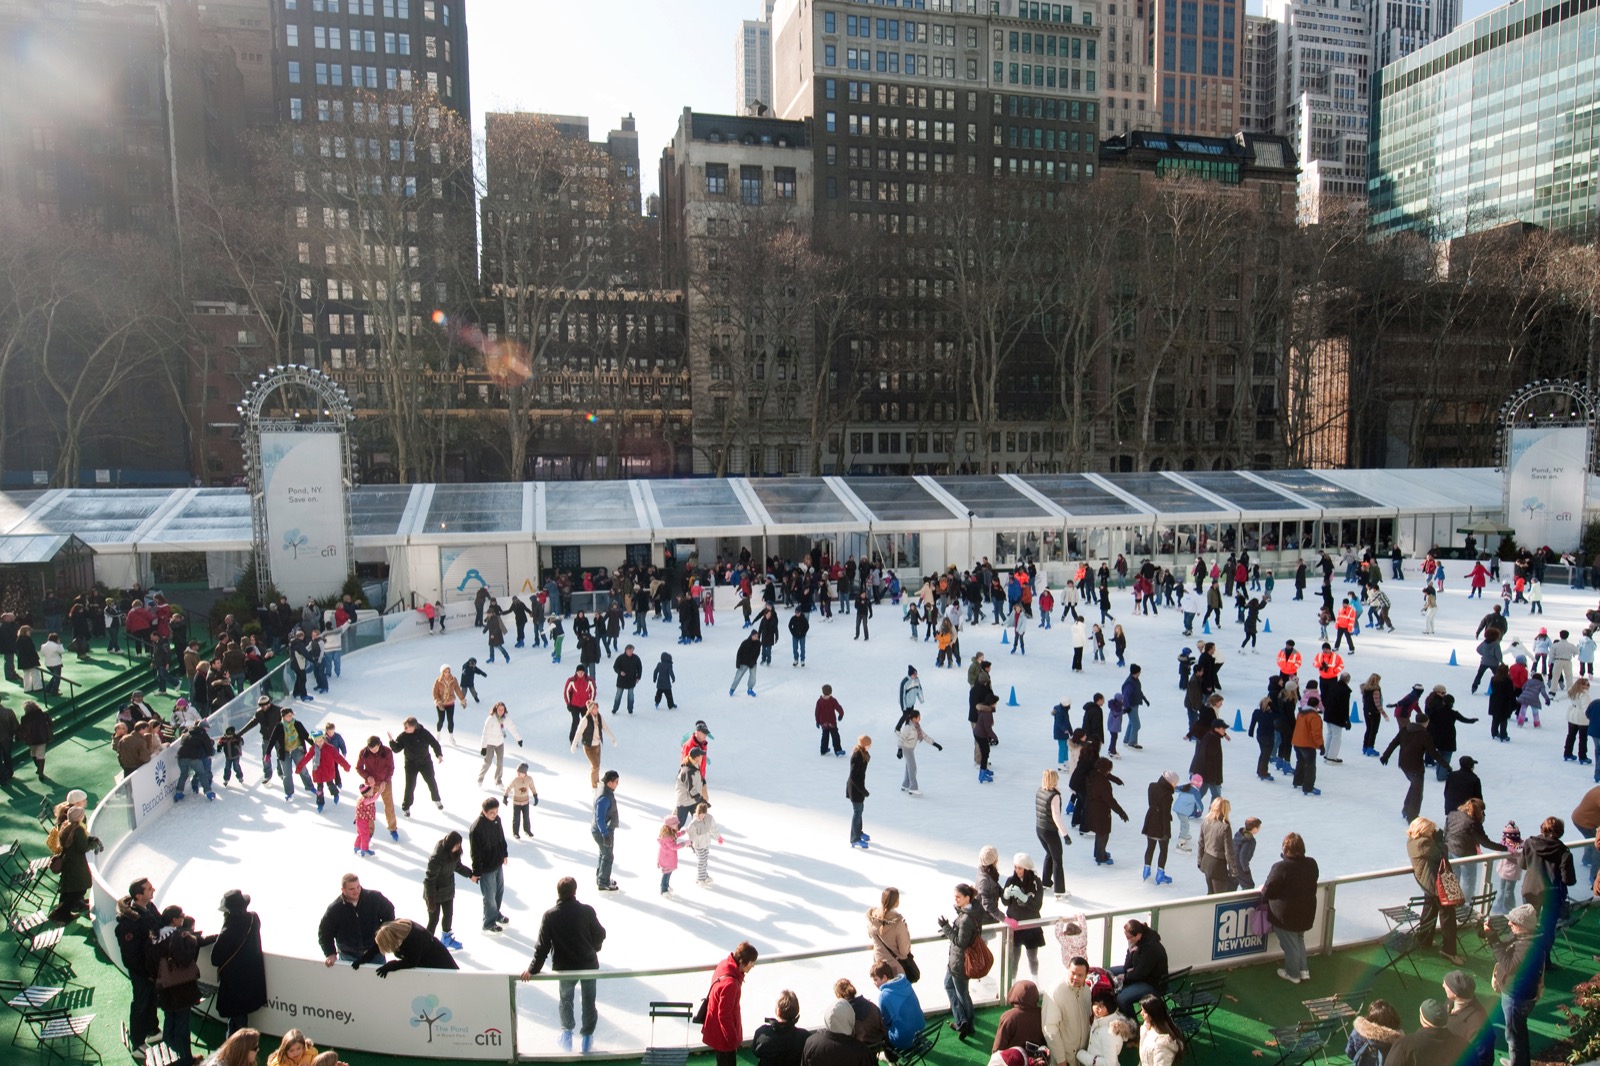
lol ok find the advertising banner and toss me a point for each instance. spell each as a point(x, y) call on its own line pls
point(1227, 930)
point(462, 571)
point(303, 494)
point(1546, 479)
point(152, 786)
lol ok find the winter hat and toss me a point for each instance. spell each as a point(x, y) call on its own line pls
point(366, 789)
point(234, 901)
point(181, 703)
point(1171, 778)
point(75, 814)
point(77, 797)
point(1467, 762)
point(1434, 1013)
point(1188, 651)
point(1195, 780)
point(911, 671)
point(988, 856)
point(1022, 861)
point(670, 819)
point(264, 701)
point(1460, 984)
point(1543, 632)
point(1524, 915)
point(840, 1018)
point(523, 768)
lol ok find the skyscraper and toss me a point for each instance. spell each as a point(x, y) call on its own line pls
point(1126, 70)
point(1320, 88)
point(1400, 27)
point(1198, 51)
point(752, 61)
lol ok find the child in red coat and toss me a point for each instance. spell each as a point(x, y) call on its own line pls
point(325, 762)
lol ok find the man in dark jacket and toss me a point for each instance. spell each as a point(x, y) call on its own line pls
point(746, 661)
point(414, 744)
point(629, 670)
point(1335, 714)
point(487, 838)
point(138, 918)
point(1415, 745)
point(1468, 1020)
point(289, 741)
point(195, 751)
point(1431, 1043)
point(780, 1041)
point(835, 1043)
point(1519, 964)
point(799, 626)
point(1207, 761)
point(8, 645)
point(350, 922)
point(1462, 784)
point(571, 937)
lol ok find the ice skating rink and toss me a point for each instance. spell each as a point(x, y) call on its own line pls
point(786, 878)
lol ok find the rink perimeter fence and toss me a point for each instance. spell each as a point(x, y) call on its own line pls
point(497, 1017)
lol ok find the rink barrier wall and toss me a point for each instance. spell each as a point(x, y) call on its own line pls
point(490, 1017)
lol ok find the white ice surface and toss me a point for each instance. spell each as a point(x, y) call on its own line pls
point(786, 878)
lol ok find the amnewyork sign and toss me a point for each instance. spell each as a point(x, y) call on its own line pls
point(1546, 479)
point(303, 496)
point(1239, 929)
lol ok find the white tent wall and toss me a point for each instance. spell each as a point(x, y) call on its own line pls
point(118, 571)
point(522, 564)
point(420, 565)
point(397, 559)
point(223, 569)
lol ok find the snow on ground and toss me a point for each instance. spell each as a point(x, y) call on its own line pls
point(786, 878)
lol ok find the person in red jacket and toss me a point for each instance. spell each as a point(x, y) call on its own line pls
point(1345, 626)
point(325, 762)
point(579, 693)
point(829, 713)
point(723, 1029)
point(376, 764)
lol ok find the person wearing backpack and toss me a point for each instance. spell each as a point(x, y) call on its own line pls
point(961, 933)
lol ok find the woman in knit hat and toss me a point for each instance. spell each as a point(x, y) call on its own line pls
point(1023, 896)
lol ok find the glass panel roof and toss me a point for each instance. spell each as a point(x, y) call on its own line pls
point(1316, 490)
point(41, 548)
point(1077, 495)
point(684, 504)
point(474, 509)
point(898, 499)
point(801, 500)
point(101, 516)
point(990, 497)
point(14, 504)
point(1240, 491)
point(580, 505)
point(376, 510)
point(212, 514)
point(1161, 493)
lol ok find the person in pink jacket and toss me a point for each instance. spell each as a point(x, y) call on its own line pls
point(668, 842)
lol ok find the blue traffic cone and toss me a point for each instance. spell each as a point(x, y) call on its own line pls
point(1266, 625)
point(1453, 658)
point(1355, 714)
point(1003, 639)
point(1205, 626)
point(1012, 702)
point(1238, 721)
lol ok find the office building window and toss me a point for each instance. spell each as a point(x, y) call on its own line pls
point(716, 179)
point(783, 179)
point(750, 185)
point(830, 56)
point(291, 35)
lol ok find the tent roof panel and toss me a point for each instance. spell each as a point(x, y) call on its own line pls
point(1319, 490)
point(1241, 492)
point(802, 501)
point(218, 514)
point(702, 504)
point(581, 506)
point(899, 499)
point(376, 510)
point(1080, 497)
point(100, 516)
point(33, 548)
point(475, 508)
point(14, 507)
point(1161, 494)
point(989, 497)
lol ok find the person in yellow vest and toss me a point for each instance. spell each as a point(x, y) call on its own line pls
point(1288, 661)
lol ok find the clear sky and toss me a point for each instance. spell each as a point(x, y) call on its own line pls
point(652, 58)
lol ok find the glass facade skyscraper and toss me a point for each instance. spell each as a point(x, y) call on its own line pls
point(1495, 122)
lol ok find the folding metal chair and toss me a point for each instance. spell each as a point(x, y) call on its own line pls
point(1303, 1042)
point(655, 1055)
point(925, 1043)
point(1200, 999)
point(58, 1032)
point(36, 947)
point(1398, 947)
point(1343, 1008)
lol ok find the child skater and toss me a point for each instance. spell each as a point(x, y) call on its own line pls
point(366, 818)
point(325, 761)
point(470, 672)
point(702, 829)
point(1098, 638)
point(664, 677)
point(230, 747)
point(558, 633)
point(522, 793)
point(668, 841)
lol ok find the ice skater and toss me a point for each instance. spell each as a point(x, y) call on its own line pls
point(414, 745)
point(663, 677)
point(446, 693)
point(669, 841)
point(829, 713)
point(469, 680)
point(366, 818)
point(325, 762)
point(522, 793)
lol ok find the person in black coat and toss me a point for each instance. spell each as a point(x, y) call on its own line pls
point(629, 669)
point(1093, 722)
point(570, 936)
point(1157, 828)
point(1207, 761)
point(410, 946)
point(779, 1041)
point(1144, 967)
point(1291, 894)
point(1461, 785)
point(1336, 696)
point(241, 970)
point(1102, 802)
point(855, 789)
point(1442, 718)
point(348, 926)
point(1415, 745)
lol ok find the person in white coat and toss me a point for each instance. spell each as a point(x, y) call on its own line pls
point(1080, 637)
point(495, 728)
point(909, 733)
point(1067, 1014)
point(1160, 1042)
point(1107, 1033)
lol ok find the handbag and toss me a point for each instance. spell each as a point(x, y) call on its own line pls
point(57, 863)
point(170, 976)
point(908, 964)
point(1448, 886)
point(977, 960)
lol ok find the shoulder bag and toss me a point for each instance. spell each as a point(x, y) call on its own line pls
point(978, 960)
point(908, 964)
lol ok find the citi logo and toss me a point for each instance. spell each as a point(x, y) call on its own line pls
point(487, 1038)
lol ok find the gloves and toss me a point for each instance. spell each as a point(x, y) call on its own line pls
point(994, 742)
point(356, 965)
point(719, 840)
point(536, 801)
point(1067, 840)
point(1014, 892)
point(519, 743)
point(383, 971)
point(1384, 760)
point(1124, 817)
point(1012, 922)
point(936, 745)
point(899, 753)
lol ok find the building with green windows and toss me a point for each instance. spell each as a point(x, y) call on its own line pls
point(1493, 123)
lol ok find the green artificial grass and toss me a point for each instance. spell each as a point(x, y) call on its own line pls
point(1255, 999)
